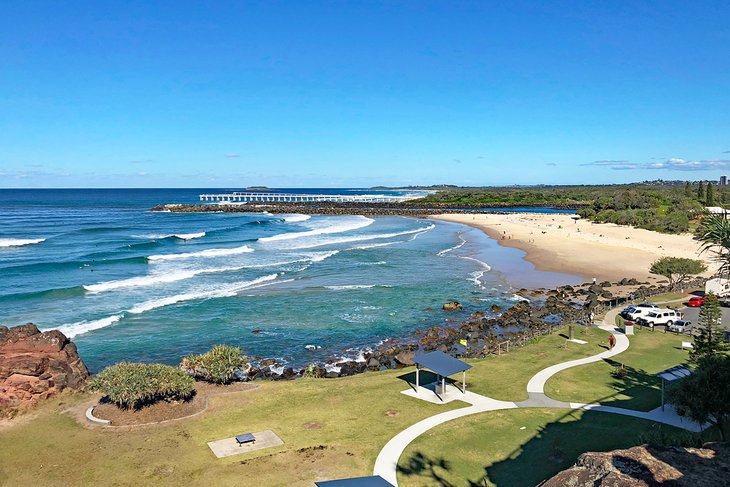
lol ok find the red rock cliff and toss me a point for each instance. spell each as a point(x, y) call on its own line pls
point(35, 365)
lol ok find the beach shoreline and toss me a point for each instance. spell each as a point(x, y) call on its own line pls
point(562, 243)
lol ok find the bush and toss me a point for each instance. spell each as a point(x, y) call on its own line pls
point(218, 365)
point(133, 385)
point(314, 371)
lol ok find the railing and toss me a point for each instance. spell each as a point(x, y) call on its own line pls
point(242, 197)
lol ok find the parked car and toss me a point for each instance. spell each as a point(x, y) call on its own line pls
point(680, 326)
point(640, 310)
point(660, 316)
point(695, 301)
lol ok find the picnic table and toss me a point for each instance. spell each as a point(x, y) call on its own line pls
point(245, 438)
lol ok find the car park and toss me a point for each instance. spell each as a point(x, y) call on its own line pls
point(680, 326)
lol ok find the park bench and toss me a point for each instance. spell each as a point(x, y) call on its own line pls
point(245, 438)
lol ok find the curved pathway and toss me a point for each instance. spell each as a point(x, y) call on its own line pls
point(387, 462)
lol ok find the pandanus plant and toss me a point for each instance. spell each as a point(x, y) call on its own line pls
point(714, 232)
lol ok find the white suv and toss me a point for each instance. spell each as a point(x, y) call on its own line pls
point(660, 316)
point(638, 311)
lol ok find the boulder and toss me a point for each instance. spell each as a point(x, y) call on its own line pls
point(452, 306)
point(644, 466)
point(35, 365)
point(405, 358)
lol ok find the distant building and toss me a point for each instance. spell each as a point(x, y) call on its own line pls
point(716, 210)
point(723, 180)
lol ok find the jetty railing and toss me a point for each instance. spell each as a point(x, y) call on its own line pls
point(261, 197)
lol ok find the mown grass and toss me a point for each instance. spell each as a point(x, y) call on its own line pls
point(505, 377)
point(331, 428)
point(517, 447)
point(648, 354)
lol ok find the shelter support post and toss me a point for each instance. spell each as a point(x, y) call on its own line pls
point(662, 393)
point(463, 381)
point(417, 385)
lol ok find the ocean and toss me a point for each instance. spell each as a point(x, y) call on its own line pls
point(129, 284)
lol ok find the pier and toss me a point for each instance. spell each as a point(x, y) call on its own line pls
point(261, 197)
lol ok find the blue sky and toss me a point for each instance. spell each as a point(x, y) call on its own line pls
point(335, 93)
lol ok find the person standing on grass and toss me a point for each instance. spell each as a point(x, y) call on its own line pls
point(611, 342)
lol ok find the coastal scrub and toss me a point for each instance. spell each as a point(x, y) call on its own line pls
point(132, 385)
point(219, 365)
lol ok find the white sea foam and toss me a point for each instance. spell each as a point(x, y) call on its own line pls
point(221, 292)
point(150, 280)
point(296, 218)
point(73, 329)
point(203, 253)
point(476, 276)
point(373, 246)
point(338, 227)
point(450, 249)
point(320, 256)
point(356, 286)
point(19, 242)
point(361, 238)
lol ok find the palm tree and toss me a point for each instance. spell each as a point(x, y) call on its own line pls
point(714, 232)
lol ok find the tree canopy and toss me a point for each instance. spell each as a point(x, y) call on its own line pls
point(677, 269)
point(710, 338)
point(704, 396)
point(714, 232)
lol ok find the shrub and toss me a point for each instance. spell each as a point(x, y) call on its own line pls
point(132, 385)
point(314, 371)
point(218, 365)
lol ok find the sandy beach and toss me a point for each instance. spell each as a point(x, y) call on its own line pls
point(559, 243)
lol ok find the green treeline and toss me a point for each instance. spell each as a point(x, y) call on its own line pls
point(661, 206)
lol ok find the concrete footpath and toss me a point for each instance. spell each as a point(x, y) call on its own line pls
point(387, 462)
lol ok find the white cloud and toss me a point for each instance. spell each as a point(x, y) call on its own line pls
point(671, 164)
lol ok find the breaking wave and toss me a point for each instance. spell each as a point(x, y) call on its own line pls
point(180, 236)
point(203, 253)
point(19, 242)
point(360, 222)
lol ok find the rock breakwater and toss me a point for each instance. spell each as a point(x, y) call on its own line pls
point(332, 208)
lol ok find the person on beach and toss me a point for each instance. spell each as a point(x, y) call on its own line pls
point(611, 342)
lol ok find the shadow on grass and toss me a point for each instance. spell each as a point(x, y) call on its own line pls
point(423, 466)
point(425, 377)
point(557, 445)
point(641, 390)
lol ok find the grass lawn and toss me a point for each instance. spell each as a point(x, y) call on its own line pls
point(334, 428)
point(505, 377)
point(513, 448)
point(331, 428)
point(648, 354)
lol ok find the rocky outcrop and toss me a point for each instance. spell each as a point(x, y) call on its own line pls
point(35, 365)
point(644, 466)
point(452, 306)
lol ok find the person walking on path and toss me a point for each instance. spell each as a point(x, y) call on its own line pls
point(611, 342)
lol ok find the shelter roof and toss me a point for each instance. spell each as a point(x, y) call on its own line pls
point(674, 373)
point(441, 363)
point(374, 481)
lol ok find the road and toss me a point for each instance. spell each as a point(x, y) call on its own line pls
point(692, 315)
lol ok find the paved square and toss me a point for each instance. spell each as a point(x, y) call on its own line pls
point(230, 447)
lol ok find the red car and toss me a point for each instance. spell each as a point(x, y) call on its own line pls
point(695, 301)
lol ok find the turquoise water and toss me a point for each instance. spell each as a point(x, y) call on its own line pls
point(129, 284)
